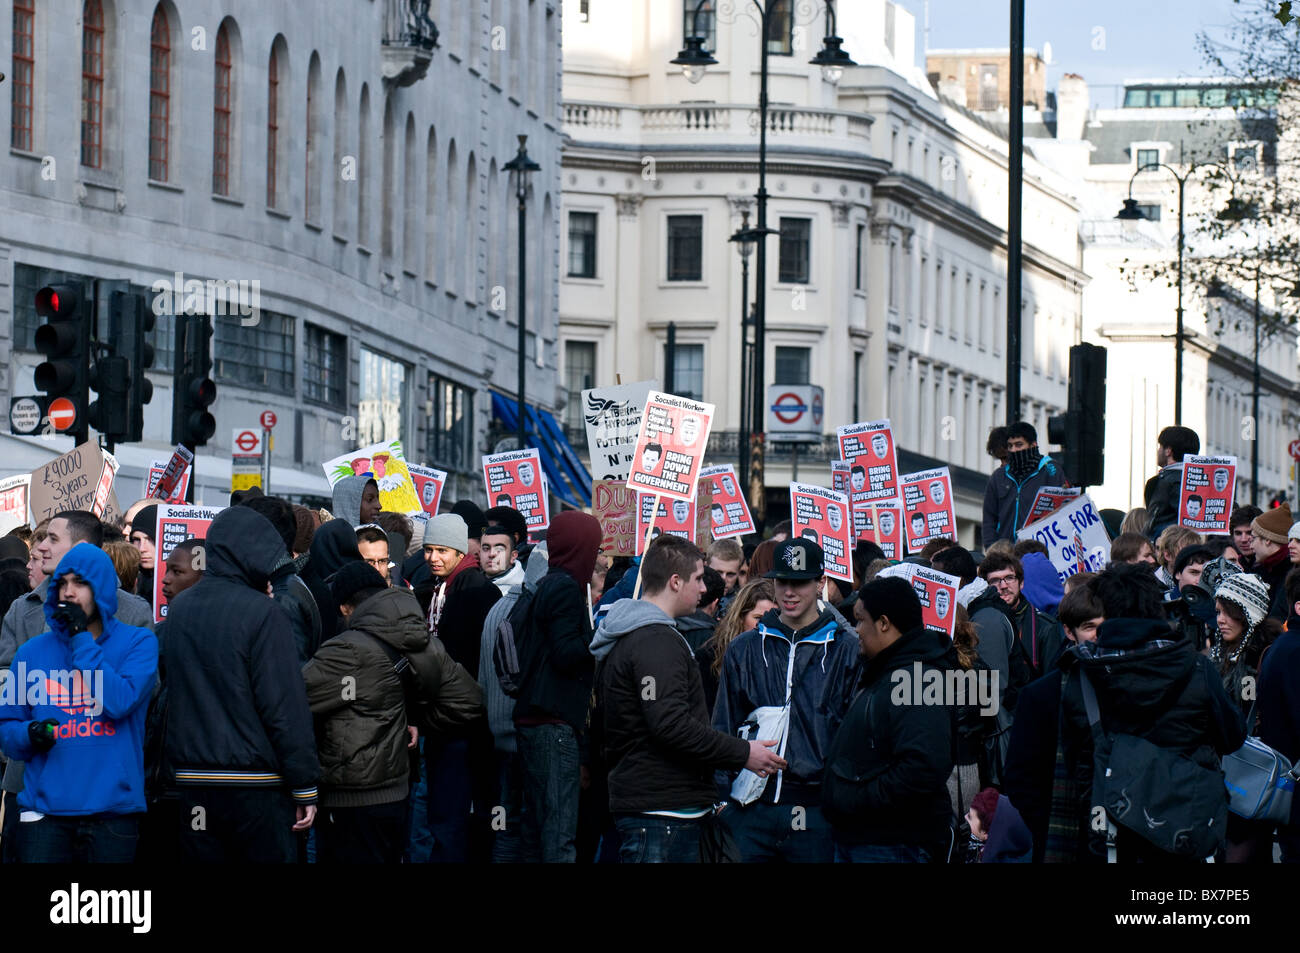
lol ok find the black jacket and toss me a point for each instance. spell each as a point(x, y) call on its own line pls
point(1162, 499)
point(333, 545)
point(1274, 575)
point(290, 591)
point(470, 596)
point(887, 769)
point(555, 661)
point(1279, 694)
point(236, 707)
point(1040, 636)
point(696, 628)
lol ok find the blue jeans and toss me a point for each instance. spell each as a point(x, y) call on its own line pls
point(649, 839)
point(419, 843)
point(786, 833)
point(551, 783)
point(507, 837)
point(450, 795)
point(880, 854)
point(93, 839)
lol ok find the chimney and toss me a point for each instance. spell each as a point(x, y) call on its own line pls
point(954, 89)
point(1072, 104)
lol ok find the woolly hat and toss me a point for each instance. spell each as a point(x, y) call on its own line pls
point(1249, 592)
point(352, 578)
point(1294, 532)
point(1042, 586)
point(1215, 572)
point(985, 806)
point(447, 529)
point(1273, 524)
point(146, 521)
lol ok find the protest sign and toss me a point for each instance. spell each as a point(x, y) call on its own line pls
point(927, 507)
point(674, 517)
point(822, 516)
point(1206, 496)
point(14, 491)
point(1075, 537)
point(428, 486)
point(387, 464)
point(613, 419)
point(156, 470)
point(515, 479)
point(173, 473)
point(883, 525)
point(868, 448)
point(81, 479)
point(614, 506)
point(670, 446)
point(840, 476)
point(1048, 500)
point(938, 594)
point(175, 525)
point(729, 512)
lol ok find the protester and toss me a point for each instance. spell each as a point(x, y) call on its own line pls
point(475, 522)
point(659, 744)
point(36, 573)
point(996, 447)
point(1024, 547)
point(1239, 528)
point(1279, 706)
point(934, 546)
point(1038, 633)
point(1132, 548)
point(83, 745)
point(726, 557)
point(143, 528)
point(1042, 586)
point(497, 555)
point(1012, 488)
point(743, 613)
point(1268, 539)
point(760, 564)
point(1171, 542)
point(994, 624)
point(1135, 520)
point(333, 546)
point(998, 833)
point(400, 533)
point(372, 543)
point(886, 793)
point(239, 730)
point(1162, 491)
point(126, 563)
point(697, 626)
point(306, 522)
point(356, 499)
point(802, 653)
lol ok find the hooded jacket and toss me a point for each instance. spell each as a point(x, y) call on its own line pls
point(1162, 502)
point(555, 663)
point(500, 706)
point(1042, 586)
point(96, 689)
point(697, 628)
point(237, 708)
point(1007, 500)
point(1279, 696)
point(347, 498)
point(334, 544)
point(825, 678)
point(661, 749)
point(1009, 841)
point(888, 766)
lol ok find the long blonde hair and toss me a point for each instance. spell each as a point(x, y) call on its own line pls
point(733, 623)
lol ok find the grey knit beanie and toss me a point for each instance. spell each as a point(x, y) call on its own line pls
point(447, 529)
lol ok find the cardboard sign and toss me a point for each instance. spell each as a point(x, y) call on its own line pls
point(614, 507)
point(1048, 500)
point(613, 419)
point(670, 446)
point(175, 525)
point(729, 513)
point(927, 507)
point(868, 448)
point(883, 526)
point(1206, 496)
point(674, 517)
point(428, 486)
point(81, 479)
point(938, 594)
point(515, 479)
point(156, 470)
point(1075, 537)
point(387, 464)
point(822, 515)
point(14, 492)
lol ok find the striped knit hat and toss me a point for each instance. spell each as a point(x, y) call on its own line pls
point(1250, 593)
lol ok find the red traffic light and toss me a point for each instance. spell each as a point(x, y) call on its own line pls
point(58, 301)
point(203, 392)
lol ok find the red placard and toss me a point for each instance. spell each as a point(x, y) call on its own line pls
point(670, 446)
point(1206, 496)
point(428, 486)
point(730, 515)
point(179, 463)
point(938, 594)
point(927, 507)
point(156, 470)
point(882, 524)
point(868, 448)
point(675, 517)
point(515, 479)
point(822, 515)
point(1048, 500)
point(175, 525)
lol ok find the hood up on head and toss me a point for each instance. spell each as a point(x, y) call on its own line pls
point(347, 497)
point(93, 565)
point(333, 546)
point(1042, 586)
point(243, 545)
point(574, 543)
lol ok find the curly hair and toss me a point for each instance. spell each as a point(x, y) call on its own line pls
point(733, 623)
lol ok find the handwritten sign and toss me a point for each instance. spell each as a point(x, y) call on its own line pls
point(1075, 537)
point(81, 479)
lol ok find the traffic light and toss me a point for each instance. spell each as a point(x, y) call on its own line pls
point(65, 341)
point(110, 412)
point(193, 390)
point(130, 322)
point(1081, 431)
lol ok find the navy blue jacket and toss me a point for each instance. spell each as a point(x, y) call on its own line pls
point(1279, 693)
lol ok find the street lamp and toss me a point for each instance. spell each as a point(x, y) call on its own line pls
point(522, 166)
point(695, 61)
point(745, 238)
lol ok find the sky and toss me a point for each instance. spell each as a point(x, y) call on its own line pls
point(1104, 41)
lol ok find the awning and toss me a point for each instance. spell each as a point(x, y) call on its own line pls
point(568, 478)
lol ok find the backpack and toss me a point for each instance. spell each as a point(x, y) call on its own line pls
point(507, 639)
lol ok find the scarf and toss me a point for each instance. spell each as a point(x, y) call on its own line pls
point(1021, 463)
point(439, 599)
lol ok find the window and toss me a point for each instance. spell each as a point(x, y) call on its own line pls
point(857, 384)
point(92, 84)
point(793, 365)
point(1135, 98)
point(1187, 97)
point(1244, 158)
point(20, 129)
point(780, 28)
point(705, 25)
point(859, 265)
point(451, 428)
point(988, 86)
point(324, 366)
point(584, 11)
point(160, 59)
point(685, 247)
point(687, 371)
point(221, 115)
point(272, 125)
point(1150, 212)
point(924, 282)
point(259, 356)
point(1148, 157)
point(893, 276)
point(381, 410)
point(582, 244)
point(579, 375)
point(795, 237)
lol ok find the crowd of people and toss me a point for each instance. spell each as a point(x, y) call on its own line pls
point(349, 686)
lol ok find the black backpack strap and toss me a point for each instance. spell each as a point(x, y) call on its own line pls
point(402, 666)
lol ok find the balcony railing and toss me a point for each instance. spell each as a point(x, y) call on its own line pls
point(785, 124)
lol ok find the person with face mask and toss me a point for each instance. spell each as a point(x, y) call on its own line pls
point(1012, 488)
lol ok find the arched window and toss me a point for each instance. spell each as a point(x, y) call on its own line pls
point(340, 150)
point(363, 167)
point(221, 110)
point(469, 284)
point(160, 68)
point(92, 84)
point(312, 187)
point(432, 235)
point(410, 196)
point(387, 228)
point(273, 126)
point(20, 128)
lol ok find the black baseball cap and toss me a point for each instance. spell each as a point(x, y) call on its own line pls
point(797, 558)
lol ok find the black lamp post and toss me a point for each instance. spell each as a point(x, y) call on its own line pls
point(745, 238)
point(695, 61)
point(522, 166)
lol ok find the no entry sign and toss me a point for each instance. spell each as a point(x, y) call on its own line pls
point(62, 414)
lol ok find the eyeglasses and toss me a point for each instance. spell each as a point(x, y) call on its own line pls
point(1000, 581)
point(379, 563)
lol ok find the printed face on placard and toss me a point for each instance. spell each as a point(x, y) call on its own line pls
point(503, 499)
point(526, 473)
point(810, 534)
point(1220, 479)
point(718, 514)
point(728, 486)
point(879, 446)
point(941, 603)
point(681, 510)
point(834, 517)
point(936, 492)
point(858, 479)
point(650, 457)
point(918, 525)
point(1194, 507)
point(887, 523)
point(690, 430)
point(429, 489)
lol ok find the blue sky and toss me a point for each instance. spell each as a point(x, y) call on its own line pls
point(1104, 41)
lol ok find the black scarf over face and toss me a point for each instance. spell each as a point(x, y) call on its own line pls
point(1021, 463)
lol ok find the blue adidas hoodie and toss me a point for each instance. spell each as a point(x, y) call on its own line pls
point(97, 763)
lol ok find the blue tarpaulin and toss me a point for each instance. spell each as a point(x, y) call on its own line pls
point(568, 478)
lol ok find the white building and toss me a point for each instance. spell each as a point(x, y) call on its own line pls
point(327, 156)
point(887, 285)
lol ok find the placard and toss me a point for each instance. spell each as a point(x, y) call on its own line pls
point(81, 479)
point(840, 476)
point(515, 479)
point(822, 516)
point(14, 492)
point(156, 470)
point(1048, 500)
point(868, 448)
point(1205, 497)
point(613, 419)
point(675, 517)
point(670, 446)
point(883, 525)
point(175, 525)
point(927, 507)
point(1075, 537)
point(181, 459)
point(387, 464)
point(729, 513)
point(429, 483)
point(614, 506)
point(938, 594)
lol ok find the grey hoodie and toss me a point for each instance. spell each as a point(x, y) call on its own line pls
point(500, 706)
point(627, 615)
point(347, 498)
